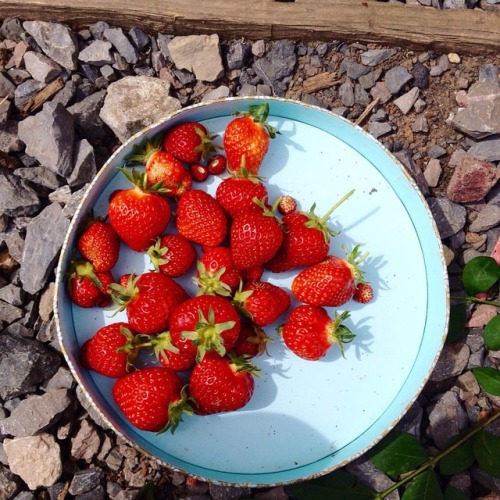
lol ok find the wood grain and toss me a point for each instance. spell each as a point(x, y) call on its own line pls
point(458, 30)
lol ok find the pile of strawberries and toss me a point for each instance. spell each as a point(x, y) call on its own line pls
point(227, 242)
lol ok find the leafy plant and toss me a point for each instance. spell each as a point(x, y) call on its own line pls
point(401, 455)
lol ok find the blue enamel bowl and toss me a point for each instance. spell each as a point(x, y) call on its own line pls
point(305, 418)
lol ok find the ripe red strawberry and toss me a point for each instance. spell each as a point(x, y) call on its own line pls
point(252, 341)
point(247, 138)
point(137, 214)
point(199, 172)
point(111, 351)
point(205, 323)
point(201, 219)
point(330, 283)
point(169, 355)
point(255, 237)
point(236, 194)
point(99, 244)
point(217, 273)
point(306, 240)
point(252, 274)
point(262, 302)
point(87, 288)
point(190, 142)
point(152, 399)
point(309, 332)
point(363, 293)
point(172, 254)
point(221, 384)
point(148, 300)
point(161, 167)
point(287, 204)
point(217, 164)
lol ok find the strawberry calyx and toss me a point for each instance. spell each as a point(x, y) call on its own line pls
point(211, 284)
point(206, 146)
point(130, 347)
point(157, 253)
point(269, 211)
point(176, 410)
point(140, 181)
point(259, 114)
point(242, 364)
point(339, 333)
point(207, 334)
point(239, 299)
point(123, 295)
point(81, 269)
point(243, 173)
point(321, 223)
point(161, 342)
point(353, 260)
point(141, 153)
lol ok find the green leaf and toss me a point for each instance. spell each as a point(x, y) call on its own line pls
point(456, 327)
point(398, 453)
point(452, 493)
point(424, 487)
point(338, 484)
point(489, 379)
point(491, 334)
point(487, 451)
point(480, 274)
point(459, 459)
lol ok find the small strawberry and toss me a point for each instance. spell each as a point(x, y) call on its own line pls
point(190, 142)
point(99, 244)
point(217, 273)
point(217, 164)
point(306, 239)
point(221, 384)
point(330, 283)
point(87, 288)
point(111, 351)
point(205, 323)
point(172, 254)
point(247, 137)
point(363, 293)
point(252, 341)
point(309, 332)
point(138, 214)
point(287, 205)
point(152, 399)
point(169, 355)
point(148, 300)
point(161, 167)
point(201, 219)
point(255, 237)
point(236, 193)
point(199, 172)
point(262, 302)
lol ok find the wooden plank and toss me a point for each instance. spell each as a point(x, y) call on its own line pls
point(457, 30)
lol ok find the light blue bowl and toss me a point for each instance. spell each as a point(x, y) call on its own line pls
point(305, 418)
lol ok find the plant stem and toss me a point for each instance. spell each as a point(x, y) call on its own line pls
point(432, 462)
point(337, 204)
point(468, 298)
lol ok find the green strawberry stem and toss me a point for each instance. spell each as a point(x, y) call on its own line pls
point(131, 348)
point(140, 181)
point(142, 152)
point(259, 114)
point(161, 342)
point(211, 284)
point(156, 253)
point(84, 269)
point(241, 364)
point(341, 334)
point(239, 299)
point(207, 334)
point(354, 259)
point(176, 410)
point(123, 295)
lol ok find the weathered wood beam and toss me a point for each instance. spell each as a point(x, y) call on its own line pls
point(459, 30)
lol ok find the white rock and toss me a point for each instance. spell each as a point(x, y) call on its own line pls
point(199, 54)
point(36, 459)
point(454, 58)
point(433, 172)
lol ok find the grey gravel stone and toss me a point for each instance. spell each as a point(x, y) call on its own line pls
point(396, 78)
point(370, 79)
point(9, 140)
point(452, 362)
point(436, 152)
point(41, 67)
point(9, 484)
point(487, 149)
point(45, 179)
point(84, 169)
point(17, 198)
point(487, 218)
point(378, 129)
point(85, 480)
point(7, 88)
point(122, 44)
point(406, 101)
point(97, 53)
point(450, 217)
point(346, 93)
point(376, 56)
point(420, 75)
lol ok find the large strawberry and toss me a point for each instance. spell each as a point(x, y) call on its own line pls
point(247, 138)
point(262, 302)
point(86, 287)
point(161, 167)
point(99, 243)
point(190, 142)
point(330, 283)
point(255, 237)
point(172, 254)
point(205, 323)
point(236, 193)
point(138, 214)
point(148, 300)
point(221, 384)
point(309, 332)
point(152, 399)
point(306, 239)
point(111, 351)
point(201, 219)
point(217, 273)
